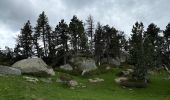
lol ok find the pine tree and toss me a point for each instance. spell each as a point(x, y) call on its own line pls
point(63, 37)
point(90, 31)
point(111, 41)
point(123, 41)
point(50, 42)
point(25, 40)
point(107, 41)
point(36, 47)
point(99, 43)
point(167, 36)
point(41, 29)
point(152, 46)
point(76, 29)
point(17, 52)
point(137, 52)
point(84, 43)
point(167, 43)
point(115, 45)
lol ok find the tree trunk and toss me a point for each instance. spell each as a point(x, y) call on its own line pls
point(45, 52)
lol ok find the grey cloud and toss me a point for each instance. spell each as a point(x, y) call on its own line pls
point(14, 13)
point(119, 13)
point(79, 4)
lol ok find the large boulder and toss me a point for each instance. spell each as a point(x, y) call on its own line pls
point(84, 64)
point(112, 61)
point(124, 56)
point(5, 70)
point(66, 67)
point(34, 66)
point(115, 62)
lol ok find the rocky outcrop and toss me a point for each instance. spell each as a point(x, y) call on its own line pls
point(112, 61)
point(34, 66)
point(66, 67)
point(124, 56)
point(5, 70)
point(84, 64)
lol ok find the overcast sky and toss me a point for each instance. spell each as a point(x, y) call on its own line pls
point(121, 14)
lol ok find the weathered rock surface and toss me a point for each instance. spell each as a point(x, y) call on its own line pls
point(111, 61)
point(114, 62)
point(124, 56)
point(66, 67)
point(34, 66)
point(84, 64)
point(121, 79)
point(125, 73)
point(72, 83)
point(31, 79)
point(96, 80)
point(5, 70)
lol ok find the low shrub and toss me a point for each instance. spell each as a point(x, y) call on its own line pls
point(134, 84)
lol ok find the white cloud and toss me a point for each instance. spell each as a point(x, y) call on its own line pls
point(7, 37)
point(121, 14)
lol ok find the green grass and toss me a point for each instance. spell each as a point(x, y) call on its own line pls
point(16, 88)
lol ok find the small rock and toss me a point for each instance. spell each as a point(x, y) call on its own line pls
point(95, 80)
point(99, 79)
point(130, 70)
point(72, 83)
point(31, 79)
point(121, 79)
point(92, 81)
point(168, 78)
point(108, 68)
point(83, 86)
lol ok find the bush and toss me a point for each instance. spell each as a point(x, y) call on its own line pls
point(65, 77)
point(136, 84)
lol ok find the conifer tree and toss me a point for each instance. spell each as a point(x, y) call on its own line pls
point(99, 44)
point(76, 29)
point(167, 43)
point(90, 31)
point(137, 52)
point(111, 41)
point(41, 30)
point(152, 46)
point(25, 40)
point(63, 36)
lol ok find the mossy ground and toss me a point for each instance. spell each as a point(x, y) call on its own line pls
point(17, 88)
